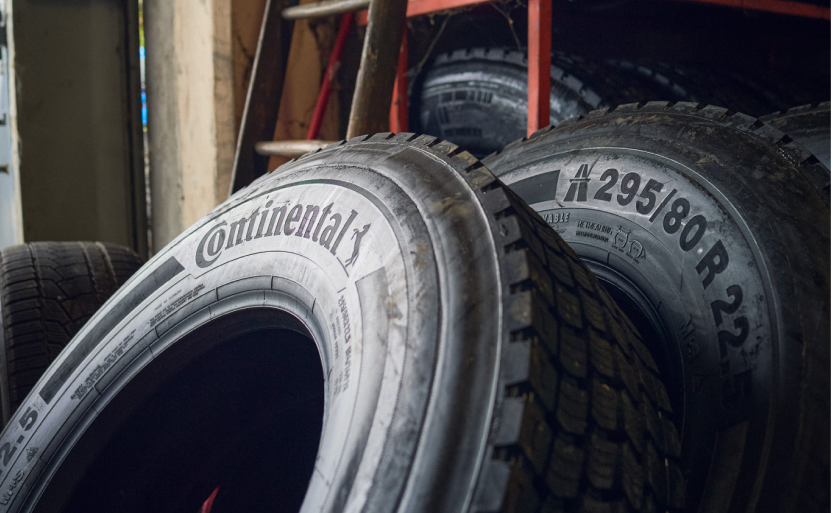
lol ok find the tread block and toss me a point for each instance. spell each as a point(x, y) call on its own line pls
point(573, 354)
point(602, 462)
point(566, 468)
point(604, 406)
point(572, 407)
point(48, 291)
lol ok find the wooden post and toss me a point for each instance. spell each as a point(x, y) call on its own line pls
point(540, 42)
point(370, 111)
point(263, 98)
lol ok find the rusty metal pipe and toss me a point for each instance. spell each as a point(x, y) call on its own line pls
point(325, 8)
point(290, 149)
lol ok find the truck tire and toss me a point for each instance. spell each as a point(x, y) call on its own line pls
point(478, 98)
point(708, 231)
point(419, 337)
point(712, 87)
point(807, 125)
point(48, 290)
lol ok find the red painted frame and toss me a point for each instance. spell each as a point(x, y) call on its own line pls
point(540, 39)
point(774, 6)
point(539, 59)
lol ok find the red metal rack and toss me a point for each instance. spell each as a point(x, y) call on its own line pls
point(267, 80)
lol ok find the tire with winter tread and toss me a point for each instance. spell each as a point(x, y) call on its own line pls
point(489, 370)
point(715, 230)
point(48, 290)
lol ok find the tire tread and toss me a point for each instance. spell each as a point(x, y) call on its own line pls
point(574, 446)
point(48, 291)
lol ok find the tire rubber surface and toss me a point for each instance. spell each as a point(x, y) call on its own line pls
point(719, 88)
point(808, 125)
point(477, 98)
point(718, 226)
point(471, 362)
point(48, 290)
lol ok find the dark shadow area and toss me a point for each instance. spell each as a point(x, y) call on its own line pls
point(784, 60)
point(244, 416)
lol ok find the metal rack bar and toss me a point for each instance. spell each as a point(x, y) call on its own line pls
point(774, 6)
point(538, 58)
point(373, 84)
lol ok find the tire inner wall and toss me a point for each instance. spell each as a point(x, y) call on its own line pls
point(245, 416)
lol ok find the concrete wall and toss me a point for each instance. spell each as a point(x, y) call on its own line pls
point(78, 120)
point(190, 110)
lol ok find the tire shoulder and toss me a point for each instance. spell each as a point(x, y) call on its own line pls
point(805, 163)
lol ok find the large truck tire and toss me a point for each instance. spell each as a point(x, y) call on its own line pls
point(808, 125)
point(709, 232)
point(48, 290)
point(719, 88)
point(477, 98)
point(411, 335)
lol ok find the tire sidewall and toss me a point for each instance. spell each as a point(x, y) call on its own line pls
point(478, 98)
point(732, 389)
point(371, 296)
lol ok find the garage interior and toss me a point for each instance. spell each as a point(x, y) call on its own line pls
point(132, 123)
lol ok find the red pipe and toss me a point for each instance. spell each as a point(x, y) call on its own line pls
point(329, 77)
point(399, 102)
point(209, 502)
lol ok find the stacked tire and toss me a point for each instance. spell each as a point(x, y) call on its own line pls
point(477, 98)
point(383, 325)
point(414, 337)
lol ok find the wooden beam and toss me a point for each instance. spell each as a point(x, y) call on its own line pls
point(263, 98)
point(369, 113)
point(246, 21)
